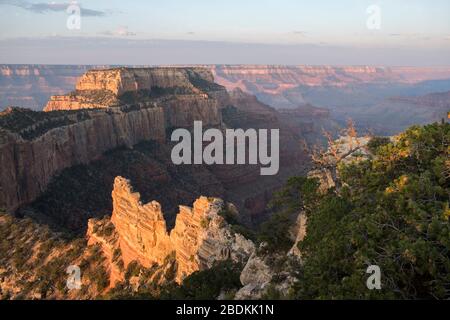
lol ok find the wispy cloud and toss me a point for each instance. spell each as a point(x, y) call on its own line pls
point(121, 31)
point(116, 51)
point(45, 7)
point(413, 36)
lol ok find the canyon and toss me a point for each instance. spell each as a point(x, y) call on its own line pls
point(69, 174)
point(122, 108)
point(36, 146)
point(31, 86)
point(363, 93)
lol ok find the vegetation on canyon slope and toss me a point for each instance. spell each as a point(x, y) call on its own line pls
point(392, 211)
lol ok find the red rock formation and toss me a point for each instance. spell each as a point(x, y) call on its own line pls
point(142, 228)
point(199, 239)
point(102, 88)
point(121, 80)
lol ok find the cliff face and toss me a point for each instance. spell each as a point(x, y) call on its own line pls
point(35, 146)
point(273, 79)
point(110, 87)
point(141, 227)
point(122, 80)
point(28, 164)
point(200, 237)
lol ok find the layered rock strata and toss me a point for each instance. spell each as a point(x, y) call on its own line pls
point(200, 237)
point(29, 159)
point(35, 146)
point(104, 88)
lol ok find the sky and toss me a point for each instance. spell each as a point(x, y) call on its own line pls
point(373, 32)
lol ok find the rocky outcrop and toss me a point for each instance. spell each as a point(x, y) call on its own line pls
point(141, 227)
point(265, 272)
point(200, 238)
point(255, 278)
point(344, 150)
point(81, 101)
point(299, 234)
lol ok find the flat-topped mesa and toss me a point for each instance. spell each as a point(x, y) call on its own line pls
point(111, 87)
point(201, 236)
point(122, 80)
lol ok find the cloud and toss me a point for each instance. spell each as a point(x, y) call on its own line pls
point(412, 36)
point(121, 31)
point(43, 7)
point(116, 51)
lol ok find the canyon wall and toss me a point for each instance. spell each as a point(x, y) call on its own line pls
point(121, 80)
point(35, 146)
point(276, 78)
point(28, 165)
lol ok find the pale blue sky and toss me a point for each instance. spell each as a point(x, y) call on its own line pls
point(422, 26)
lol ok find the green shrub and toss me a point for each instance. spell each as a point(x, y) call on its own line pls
point(133, 270)
point(207, 284)
point(377, 142)
point(393, 212)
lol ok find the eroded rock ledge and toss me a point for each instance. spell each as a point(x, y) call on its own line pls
point(200, 238)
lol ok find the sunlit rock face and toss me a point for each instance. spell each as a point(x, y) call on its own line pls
point(200, 238)
point(122, 80)
point(104, 88)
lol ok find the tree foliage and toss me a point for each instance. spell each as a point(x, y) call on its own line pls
point(392, 211)
point(206, 284)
